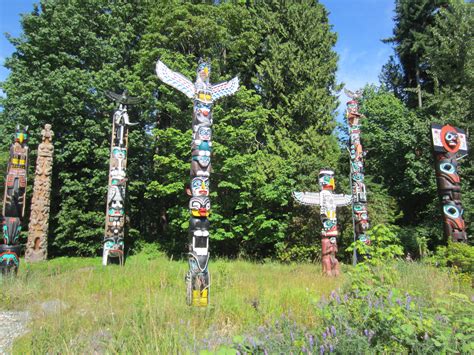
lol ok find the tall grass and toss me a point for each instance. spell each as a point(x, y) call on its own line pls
point(141, 307)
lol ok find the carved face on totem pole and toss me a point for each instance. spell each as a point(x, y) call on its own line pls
point(326, 179)
point(202, 133)
point(200, 206)
point(202, 114)
point(200, 186)
point(201, 165)
point(21, 135)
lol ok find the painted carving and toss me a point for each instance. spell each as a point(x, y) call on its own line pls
point(115, 212)
point(14, 202)
point(203, 94)
point(37, 244)
point(449, 143)
point(359, 194)
point(328, 202)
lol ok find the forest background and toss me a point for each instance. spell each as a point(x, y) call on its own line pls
point(270, 139)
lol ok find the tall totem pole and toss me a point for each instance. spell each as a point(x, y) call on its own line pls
point(115, 211)
point(14, 201)
point(37, 244)
point(449, 144)
point(359, 196)
point(328, 201)
point(203, 94)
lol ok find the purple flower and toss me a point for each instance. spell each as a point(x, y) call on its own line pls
point(346, 297)
point(311, 341)
point(324, 335)
point(321, 349)
point(366, 333)
point(399, 302)
point(303, 350)
point(331, 348)
point(333, 330)
point(265, 352)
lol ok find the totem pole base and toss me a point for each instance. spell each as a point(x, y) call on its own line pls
point(329, 261)
point(113, 257)
point(33, 256)
point(9, 259)
point(197, 290)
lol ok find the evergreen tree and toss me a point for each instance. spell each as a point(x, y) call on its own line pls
point(69, 52)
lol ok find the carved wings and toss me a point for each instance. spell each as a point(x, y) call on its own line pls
point(307, 198)
point(314, 198)
point(353, 95)
point(122, 98)
point(174, 79)
point(225, 89)
point(342, 200)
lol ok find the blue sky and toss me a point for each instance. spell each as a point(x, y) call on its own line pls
point(360, 25)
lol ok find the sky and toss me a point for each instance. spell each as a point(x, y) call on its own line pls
point(360, 24)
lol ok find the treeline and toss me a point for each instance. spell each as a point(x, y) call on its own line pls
point(270, 139)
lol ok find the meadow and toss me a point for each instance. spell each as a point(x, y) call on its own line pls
point(255, 308)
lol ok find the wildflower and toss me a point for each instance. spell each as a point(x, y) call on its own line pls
point(366, 333)
point(303, 350)
point(331, 348)
point(399, 302)
point(321, 349)
point(333, 330)
point(311, 342)
point(265, 352)
point(324, 335)
point(346, 297)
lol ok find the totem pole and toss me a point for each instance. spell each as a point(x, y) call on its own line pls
point(328, 202)
point(37, 244)
point(360, 215)
point(14, 201)
point(203, 95)
point(115, 211)
point(449, 144)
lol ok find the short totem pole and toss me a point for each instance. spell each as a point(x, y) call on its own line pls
point(115, 211)
point(449, 144)
point(203, 94)
point(37, 244)
point(360, 214)
point(328, 201)
point(14, 201)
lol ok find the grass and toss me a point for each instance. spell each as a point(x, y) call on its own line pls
point(141, 307)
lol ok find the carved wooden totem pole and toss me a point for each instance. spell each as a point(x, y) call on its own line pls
point(203, 95)
point(328, 201)
point(14, 201)
point(37, 245)
point(449, 144)
point(115, 211)
point(359, 196)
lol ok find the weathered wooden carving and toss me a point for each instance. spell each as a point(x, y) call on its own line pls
point(37, 244)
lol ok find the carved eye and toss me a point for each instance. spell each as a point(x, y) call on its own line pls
point(196, 183)
point(447, 168)
point(451, 211)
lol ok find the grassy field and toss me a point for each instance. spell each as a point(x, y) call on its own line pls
point(141, 307)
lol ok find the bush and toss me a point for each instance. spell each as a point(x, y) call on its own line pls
point(459, 255)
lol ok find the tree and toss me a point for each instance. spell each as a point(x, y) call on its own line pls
point(69, 52)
